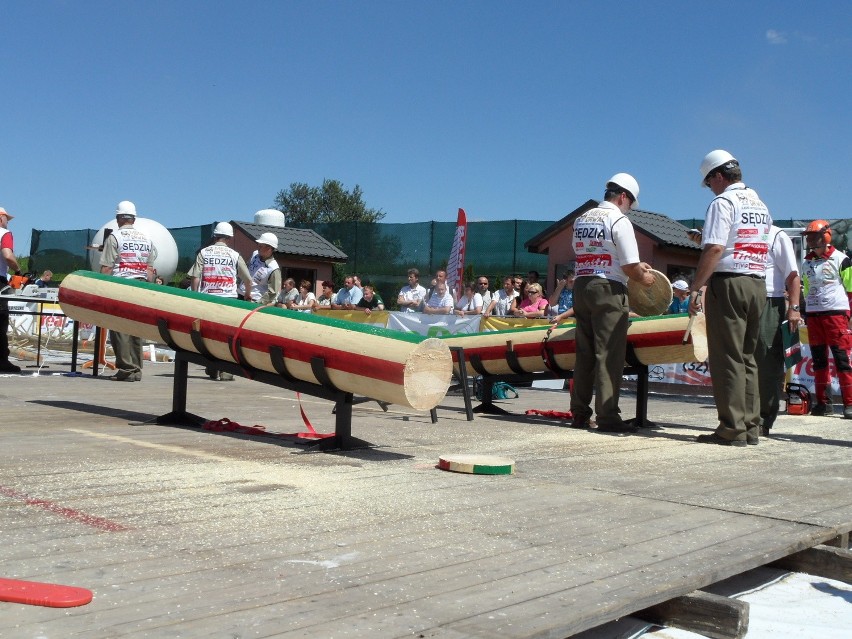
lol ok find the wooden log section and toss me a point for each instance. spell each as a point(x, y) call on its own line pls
point(841, 541)
point(702, 613)
point(822, 561)
point(390, 366)
point(654, 340)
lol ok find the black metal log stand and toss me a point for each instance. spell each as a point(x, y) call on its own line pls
point(96, 351)
point(519, 375)
point(342, 439)
point(463, 385)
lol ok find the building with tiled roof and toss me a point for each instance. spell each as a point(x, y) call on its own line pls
point(302, 254)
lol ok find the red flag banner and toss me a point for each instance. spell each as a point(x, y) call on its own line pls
point(455, 265)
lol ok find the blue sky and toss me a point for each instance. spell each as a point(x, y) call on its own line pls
point(202, 111)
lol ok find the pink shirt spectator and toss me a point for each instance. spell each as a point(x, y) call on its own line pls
point(529, 306)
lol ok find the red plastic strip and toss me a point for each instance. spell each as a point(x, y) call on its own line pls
point(34, 593)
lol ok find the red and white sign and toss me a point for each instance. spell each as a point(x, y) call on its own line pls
point(455, 265)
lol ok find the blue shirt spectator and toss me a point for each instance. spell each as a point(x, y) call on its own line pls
point(680, 297)
point(347, 297)
point(562, 298)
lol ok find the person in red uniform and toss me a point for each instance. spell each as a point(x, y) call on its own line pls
point(827, 280)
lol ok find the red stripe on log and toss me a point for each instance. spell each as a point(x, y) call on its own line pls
point(568, 347)
point(498, 353)
point(655, 340)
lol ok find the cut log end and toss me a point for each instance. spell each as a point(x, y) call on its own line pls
point(428, 373)
point(693, 350)
point(698, 337)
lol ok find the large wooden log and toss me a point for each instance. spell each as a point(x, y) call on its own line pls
point(400, 368)
point(702, 613)
point(653, 340)
point(822, 561)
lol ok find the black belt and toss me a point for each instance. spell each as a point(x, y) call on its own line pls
point(725, 276)
point(606, 280)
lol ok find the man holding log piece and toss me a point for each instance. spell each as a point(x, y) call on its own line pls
point(606, 257)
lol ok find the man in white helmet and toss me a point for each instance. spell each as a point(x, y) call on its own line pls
point(732, 266)
point(130, 254)
point(8, 262)
point(606, 257)
point(264, 270)
point(218, 267)
point(216, 271)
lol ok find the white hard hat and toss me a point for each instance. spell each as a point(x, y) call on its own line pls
point(3, 212)
point(714, 160)
point(628, 183)
point(270, 239)
point(223, 229)
point(680, 285)
point(126, 208)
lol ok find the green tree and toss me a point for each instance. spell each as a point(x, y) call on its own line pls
point(331, 202)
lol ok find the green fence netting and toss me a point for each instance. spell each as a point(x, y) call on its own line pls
point(189, 239)
point(378, 251)
point(60, 251)
point(383, 253)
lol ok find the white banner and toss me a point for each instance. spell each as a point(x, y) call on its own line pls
point(53, 323)
point(433, 325)
point(693, 373)
point(698, 373)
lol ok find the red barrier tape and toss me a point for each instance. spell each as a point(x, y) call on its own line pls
point(226, 425)
point(311, 434)
point(550, 413)
point(234, 353)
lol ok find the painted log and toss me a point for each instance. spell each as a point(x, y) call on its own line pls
point(653, 340)
point(390, 366)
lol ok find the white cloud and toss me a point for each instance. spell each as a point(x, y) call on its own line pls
point(776, 37)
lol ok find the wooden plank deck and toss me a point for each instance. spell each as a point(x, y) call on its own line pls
point(184, 533)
